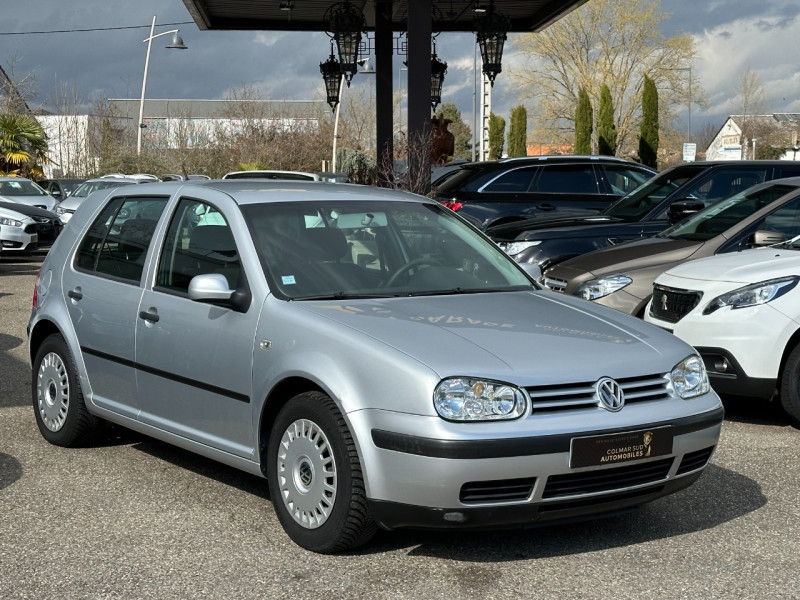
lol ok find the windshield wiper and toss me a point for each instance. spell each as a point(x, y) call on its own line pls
point(344, 296)
point(459, 291)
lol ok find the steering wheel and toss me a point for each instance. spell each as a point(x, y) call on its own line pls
point(422, 260)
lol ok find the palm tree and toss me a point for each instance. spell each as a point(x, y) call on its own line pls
point(23, 145)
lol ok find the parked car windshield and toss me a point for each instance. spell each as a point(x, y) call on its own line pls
point(634, 206)
point(720, 217)
point(21, 187)
point(87, 187)
point(375, 249)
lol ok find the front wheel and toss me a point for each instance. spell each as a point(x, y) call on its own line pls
point(790, 386)
point(315, 478)
point(57, 398)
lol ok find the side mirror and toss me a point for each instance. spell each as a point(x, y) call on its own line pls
point(764, 237)
point(680, 209)
point(212, 288)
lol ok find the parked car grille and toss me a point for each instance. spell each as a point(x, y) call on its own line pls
point(48, 229)
point(557, 285)
point(672, 304)
point(507, 490)
point(583, 395)
point(593, 482)
point(31, 228)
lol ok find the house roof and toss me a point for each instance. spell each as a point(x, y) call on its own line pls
point(309, 15)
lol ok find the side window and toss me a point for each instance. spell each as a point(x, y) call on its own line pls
point(567, 179)
point(785, 219)
point(198, 242)
point(116, 244)
point(516, 180)
point(622, 179)
point(722, 184)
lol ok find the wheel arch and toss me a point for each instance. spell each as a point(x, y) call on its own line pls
point(40, 332)
point(791, 344)
point(277, 399)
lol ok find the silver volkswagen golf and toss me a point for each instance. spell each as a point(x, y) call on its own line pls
point(375, 358)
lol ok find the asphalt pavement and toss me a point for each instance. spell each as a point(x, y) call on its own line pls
point(130, 517)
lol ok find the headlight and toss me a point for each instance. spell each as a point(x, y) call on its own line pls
point(689, 378)
point(754, 294)
point(60, 210)
point(602, 286)
point(10, 222)
point(514, 248)
point(465, 399)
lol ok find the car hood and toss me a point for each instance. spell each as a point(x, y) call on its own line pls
point(525, 337)
point(26, 209)
point(13, 214)
point(552, 227)
point(639, 254)
point(748, 266)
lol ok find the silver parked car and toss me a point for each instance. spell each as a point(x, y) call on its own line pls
point(374, 357)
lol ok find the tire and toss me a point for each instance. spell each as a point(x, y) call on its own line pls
point(57, 397)
point(790, 386)
point(324, 514)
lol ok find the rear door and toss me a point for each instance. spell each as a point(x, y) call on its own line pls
point(103, 291)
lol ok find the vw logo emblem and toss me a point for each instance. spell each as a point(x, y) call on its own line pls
point(610, 394)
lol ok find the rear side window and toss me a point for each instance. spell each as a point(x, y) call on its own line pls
point(722, 184)
point(116, 244)
point(623, 179)
point(567, 179)
point(516, 180)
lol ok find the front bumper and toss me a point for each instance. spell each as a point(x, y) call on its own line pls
point(420, 481)
point(15, 239)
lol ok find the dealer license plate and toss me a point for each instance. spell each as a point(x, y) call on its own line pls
point(602, 450)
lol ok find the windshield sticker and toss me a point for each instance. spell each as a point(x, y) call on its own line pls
point(288, 279)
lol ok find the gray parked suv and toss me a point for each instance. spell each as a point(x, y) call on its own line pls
point(372, 356)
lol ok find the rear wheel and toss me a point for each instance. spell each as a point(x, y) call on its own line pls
point(57, 398)
point(315, 478)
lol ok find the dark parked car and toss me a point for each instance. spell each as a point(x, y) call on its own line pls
point(663, 201)
point(48, 225)
point(60, 188)
point(622, 277)
point(494, 192)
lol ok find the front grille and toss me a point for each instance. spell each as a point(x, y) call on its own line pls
point(695, 460)
point(672, 304)
point(506, 490)
point(557, 285)
point(593, 482)
point(31, 228)
point(575, 396)
point(42, 220)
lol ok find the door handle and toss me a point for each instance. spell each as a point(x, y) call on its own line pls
point(152, 317)
point(75, 294)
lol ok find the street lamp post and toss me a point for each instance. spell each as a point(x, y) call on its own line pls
point(366, 67)
point(176, 44)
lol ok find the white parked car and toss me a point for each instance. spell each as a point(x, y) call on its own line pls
point(17, 231)
point(25, 191)
point(741, 311)
point(69, 205)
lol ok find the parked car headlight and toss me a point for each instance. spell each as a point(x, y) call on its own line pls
point(754, 294)
point(466, 399)
point(514, 248)
point(689, 378)
point(10, 222)
point(602, 286)
point(61, 210)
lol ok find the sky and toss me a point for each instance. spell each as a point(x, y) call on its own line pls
point(730, 36)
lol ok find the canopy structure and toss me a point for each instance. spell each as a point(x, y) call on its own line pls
point(419, 19)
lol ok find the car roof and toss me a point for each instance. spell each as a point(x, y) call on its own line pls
point(269, 173)
point(257, 191)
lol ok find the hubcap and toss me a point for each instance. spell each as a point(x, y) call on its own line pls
point(52, 391)
point(307, 473)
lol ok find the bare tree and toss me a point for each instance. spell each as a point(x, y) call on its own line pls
point(604, 41)
point(751, 97)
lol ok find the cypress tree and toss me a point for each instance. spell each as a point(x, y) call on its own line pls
point(517, 132)
point(497, 131)
point(648, 138)
point(606, 130)
point(583, 124)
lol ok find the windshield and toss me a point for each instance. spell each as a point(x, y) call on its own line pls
point(720, 217)
point(87, 187)
point(635, 205)
point(20, 187)
point(375, 249)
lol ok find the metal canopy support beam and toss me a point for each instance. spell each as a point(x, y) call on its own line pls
point(419, 91)
point(383, 88)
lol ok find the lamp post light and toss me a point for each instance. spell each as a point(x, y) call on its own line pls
point(491, 29)
point(336, 102)
point(175, 44)
point(438, 70)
